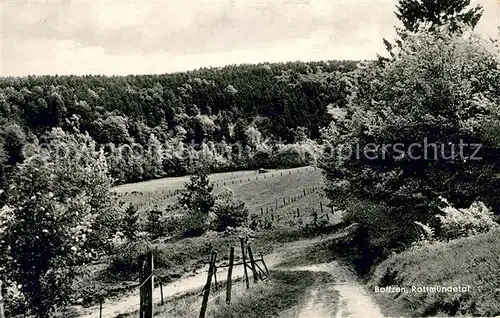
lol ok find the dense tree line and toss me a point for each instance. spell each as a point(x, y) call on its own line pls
point(419, 126)
point(180, 110)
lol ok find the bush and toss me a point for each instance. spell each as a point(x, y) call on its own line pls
point(198, 195)
point(125, 263)
point(229, 212)
point(456, 223)
point(194, 224)
point(438, 90)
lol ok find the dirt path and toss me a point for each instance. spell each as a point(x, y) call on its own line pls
point(130, 302)
point(342, 297)
point(353, 300)
point(320, 304)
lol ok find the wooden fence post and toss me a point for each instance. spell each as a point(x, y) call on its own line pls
point(215, 273)
point(2, 313)
point(100, 307)
point(252, 263)
point(229, 284)
point(264, 263)
point(147, 287)
point(244, 262)
point(161, 293)
point(206, 292)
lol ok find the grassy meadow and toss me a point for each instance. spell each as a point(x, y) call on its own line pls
point(263, 193)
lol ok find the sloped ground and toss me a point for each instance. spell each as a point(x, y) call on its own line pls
point(472, 261)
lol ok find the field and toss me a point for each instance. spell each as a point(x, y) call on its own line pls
point(273, 195)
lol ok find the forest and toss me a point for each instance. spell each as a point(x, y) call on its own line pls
point(213, 107)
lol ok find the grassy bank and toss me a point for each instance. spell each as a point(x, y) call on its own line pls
point(473, 261)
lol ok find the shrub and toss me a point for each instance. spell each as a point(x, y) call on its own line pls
point(194, 224)
point(154, 224)
point(437, 90)
point(427, 234)
point(125, 263)
point(130, 222)
point(456, 223)
point(229, 212)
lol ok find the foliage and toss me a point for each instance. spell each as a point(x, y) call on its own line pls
point(125, 262)
point(62, 215)
point(198, 196)
point(181, 111)
point(427, 235)
point(456, 223)
point(130, 224)
point(153, 225)
point(472, 261)
point(440, 89)
point(229, 211)
point(418, 14)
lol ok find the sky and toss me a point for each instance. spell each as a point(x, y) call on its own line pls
point(118, 37)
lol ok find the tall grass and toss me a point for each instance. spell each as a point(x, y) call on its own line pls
point(473, 261)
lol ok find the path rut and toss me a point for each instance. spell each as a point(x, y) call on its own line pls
point(353, 300)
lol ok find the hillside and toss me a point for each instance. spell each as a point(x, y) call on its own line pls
point(471, 261)
point(175, 113)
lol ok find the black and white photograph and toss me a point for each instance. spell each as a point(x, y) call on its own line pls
point(249, 158)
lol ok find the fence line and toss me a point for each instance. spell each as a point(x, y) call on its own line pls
point(217, 183)
point(257, 271)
